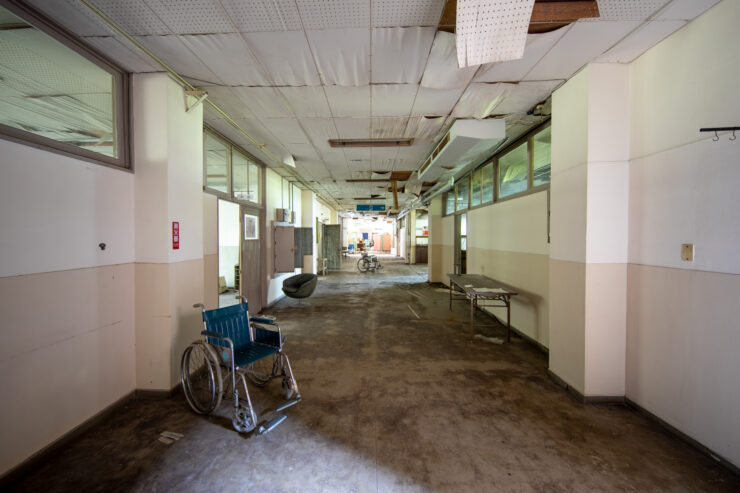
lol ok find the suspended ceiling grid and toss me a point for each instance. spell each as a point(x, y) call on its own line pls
point(295, 73)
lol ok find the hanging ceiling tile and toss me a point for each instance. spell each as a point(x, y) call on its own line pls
point(176, 54)
point(263, 102)
point(638, 42)
point(307, 101)
point(581, 44)
point(435, 102)
point(685, 9)
point(74, 16)
point(286, 130)
point(480, 100)
point(353, 128)
point(349, 100)
point(523, 96)
point(441, 71)
point(134, 16)
point(399, 54)
point(227, 56)
point(392, 99)
point(263, 15)
point(286, 56)
point(320, 14)
point(491, 30)
point(389, 127)
point(424, 128)
point(118, 50)
point(390, 13)
point(514, 70)
point(342, 56)
point(629, 10)
point(193, 16)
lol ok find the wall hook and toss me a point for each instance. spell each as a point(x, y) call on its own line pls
point(716, 136)
point(733, 136)
point(716, 131)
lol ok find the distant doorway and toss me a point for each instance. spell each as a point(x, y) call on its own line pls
point(228, 253)
point(461, 243)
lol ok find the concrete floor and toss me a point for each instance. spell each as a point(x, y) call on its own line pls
point(391, 403)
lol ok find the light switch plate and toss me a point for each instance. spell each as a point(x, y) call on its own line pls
point(687, 252)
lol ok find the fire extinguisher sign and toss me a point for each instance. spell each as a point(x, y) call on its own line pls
point(175, 235)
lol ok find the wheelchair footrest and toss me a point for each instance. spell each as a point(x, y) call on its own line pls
point(287, 404)
point(270, 425)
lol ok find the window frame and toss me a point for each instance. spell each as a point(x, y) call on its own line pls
point(121, 96)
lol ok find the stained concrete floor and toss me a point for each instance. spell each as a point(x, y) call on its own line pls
point(397, 397)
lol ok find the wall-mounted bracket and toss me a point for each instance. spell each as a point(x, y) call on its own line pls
point(199, 95)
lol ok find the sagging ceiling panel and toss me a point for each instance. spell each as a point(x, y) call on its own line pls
point(392, 99)
point(441, 71)
point(307, 101)
point(349, 100)
point(639, 41)
point(264, 102)
point(399, 53)
point(286, 56)
point(481, 99)
point(435, 102)
point(180, 58)
point(342, 56)
point(522, 97)
point(131, 60)
point(227, 56)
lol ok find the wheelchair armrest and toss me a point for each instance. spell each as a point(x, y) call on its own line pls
point(220, 337)
point(263, 320)
point(268, 336)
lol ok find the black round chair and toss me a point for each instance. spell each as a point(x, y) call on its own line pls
point(300, 286)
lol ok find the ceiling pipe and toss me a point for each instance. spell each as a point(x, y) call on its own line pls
point(189, 87)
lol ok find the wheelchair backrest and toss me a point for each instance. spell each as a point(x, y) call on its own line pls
point(230, 321)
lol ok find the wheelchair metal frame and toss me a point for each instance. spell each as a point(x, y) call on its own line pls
point(245, 418)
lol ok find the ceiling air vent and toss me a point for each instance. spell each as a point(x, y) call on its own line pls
point(466, 141)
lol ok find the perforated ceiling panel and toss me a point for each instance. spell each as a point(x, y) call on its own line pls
point(342, 56)
point(491, 30)
point(435, 102)
point(263, 15)
point(286, 56)
point(393, 99)
point(74, 16)
point(480, 100)
point(227, 56)
point(134, 15)
point(441, 71)
point(639, 41)
point(629, 10)
point(307, 101)
point(320, 14)
point(399, 54)
point(388, 13)
point(349, 100)
point(193, 16)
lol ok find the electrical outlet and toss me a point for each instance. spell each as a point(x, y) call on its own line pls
point(687, 252)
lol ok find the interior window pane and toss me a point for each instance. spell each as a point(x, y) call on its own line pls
point(512, 171)
point(487, 183)
point(217, 153)
point(464, 225)
point(253, 194)
point(239, 181)
point(50, 90)
point(475, 196)
point(542, 157)
point(450, 203)
point(462, 189)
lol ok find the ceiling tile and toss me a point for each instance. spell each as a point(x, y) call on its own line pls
point(392, 99)
point(73, 16)
point(119, 51)
point(353, 128)
point(263, 102)
point(263, 15)
point(442, 71)
point(228, 101)
point(342, 56)
point(435, 102)
point(584, 42)
point(390, 13)
point(259, 132)
point(481, 99)
point(348, 100)
point(320, 14)
point(286, 130)
point(286, 56)
point(421, 127)
point(178, 56)
point(646, 36)
point(685, 9)
point(227, 56)
point(134, 16)
point(319, 131)
point(523, 96)
point(399, 54)
point(628, 10)
point(388, 127)
point(307, 101)
point(193, 16)
point(515, 70)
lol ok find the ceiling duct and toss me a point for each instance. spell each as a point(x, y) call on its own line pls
point(465, 142)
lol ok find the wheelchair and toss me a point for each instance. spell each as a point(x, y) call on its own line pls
point(237, 347)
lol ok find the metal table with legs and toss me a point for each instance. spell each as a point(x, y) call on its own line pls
point(482, 291)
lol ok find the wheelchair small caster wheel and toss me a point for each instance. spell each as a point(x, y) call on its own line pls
point(243, 421)
point(287, 389)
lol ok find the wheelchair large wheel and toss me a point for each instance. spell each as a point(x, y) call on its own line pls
point(200, 375)
point(260, 372)
point(363, 264)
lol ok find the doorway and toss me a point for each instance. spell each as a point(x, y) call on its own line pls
point(251, 283)
point(228, 253)
point(461, 243)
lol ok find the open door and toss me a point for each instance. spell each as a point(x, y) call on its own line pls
point(332, 246)
point(250, 283)
point(461, 243)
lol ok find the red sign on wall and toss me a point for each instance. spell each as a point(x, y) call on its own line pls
point(175, 235)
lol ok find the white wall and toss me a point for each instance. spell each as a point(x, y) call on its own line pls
point(682, 339)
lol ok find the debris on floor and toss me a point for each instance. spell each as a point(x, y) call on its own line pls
point(168, 437)
point(493, 340)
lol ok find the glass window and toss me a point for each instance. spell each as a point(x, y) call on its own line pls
point(513, 170)
point(253, 194)
point(462, 190)
point(449, 202)
point(239, 175)
point(487, 183)
point(475, 195)
point(217, 157)
point(542, 158)
point(54, 96)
